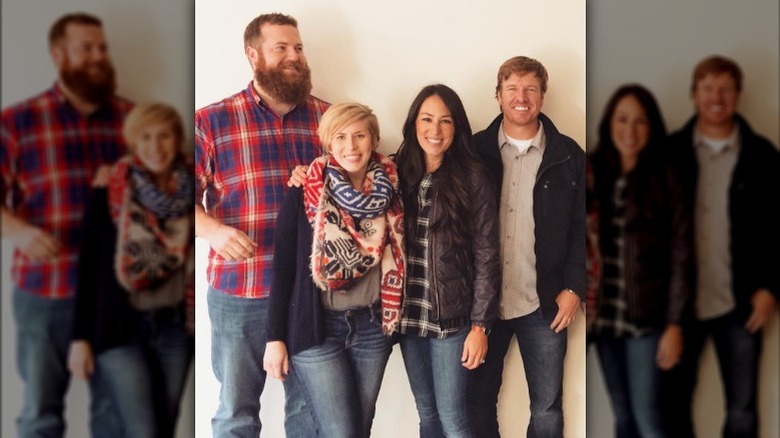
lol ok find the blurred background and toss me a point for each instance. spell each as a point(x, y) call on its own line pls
point(150, 44)
point(657, 44)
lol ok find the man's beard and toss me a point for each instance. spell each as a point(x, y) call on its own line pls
point(93, 87)
point(280, 86)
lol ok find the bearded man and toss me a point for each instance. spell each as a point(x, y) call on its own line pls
point(53, 144)
point(245, 147)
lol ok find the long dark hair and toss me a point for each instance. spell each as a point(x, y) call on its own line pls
point(458, 163)
point(648, 169)
point(606, 158)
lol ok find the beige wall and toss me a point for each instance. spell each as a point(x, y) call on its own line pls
point(382, 54)
point(151, 46)
point(657, 44)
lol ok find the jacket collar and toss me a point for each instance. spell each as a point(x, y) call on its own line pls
point(745, 131)
point(554, 148)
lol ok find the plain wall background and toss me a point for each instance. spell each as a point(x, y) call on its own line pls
point(151, 46)
point(658, 44)
point(381, 54)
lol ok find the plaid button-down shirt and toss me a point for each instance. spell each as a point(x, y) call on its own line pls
point(48, 157)
point(244, 152)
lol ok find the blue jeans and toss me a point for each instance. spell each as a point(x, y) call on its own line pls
point(341, 376)
point(146, 378)
point(543, 352)
point(43, 335)
point(633, 384)
point(238, 338)
point(439, 383)
point(738, 354)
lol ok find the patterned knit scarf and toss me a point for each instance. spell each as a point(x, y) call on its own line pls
point(355, 230)
point(154, 257)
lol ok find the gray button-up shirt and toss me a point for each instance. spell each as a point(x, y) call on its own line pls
point(714, 295)
point(516, 225)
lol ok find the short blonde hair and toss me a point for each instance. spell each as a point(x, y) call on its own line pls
point(342, 114)
point(150, 113)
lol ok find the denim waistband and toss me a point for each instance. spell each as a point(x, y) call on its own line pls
point(374, 310)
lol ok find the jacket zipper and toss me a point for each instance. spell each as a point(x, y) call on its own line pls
point(539, 174)
point(432, 258)
point(538, 177)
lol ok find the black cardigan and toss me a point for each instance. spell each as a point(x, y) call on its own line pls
point(102, 316)
point(295, 311)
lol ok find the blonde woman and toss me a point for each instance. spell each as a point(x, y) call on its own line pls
point(133, 316)
point(338, 275)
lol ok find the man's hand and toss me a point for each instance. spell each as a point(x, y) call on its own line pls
point(80, 360)
point(670, 347)
point(275, 361)
point(232, 244)
point(568, 305)
point(764, 305)
point(102, 176)
point(474, 349)
point(297, 176)
point(36, 243)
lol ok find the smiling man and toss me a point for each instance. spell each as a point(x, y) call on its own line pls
point(732, 175)
point(540, 174)
point(245, 147)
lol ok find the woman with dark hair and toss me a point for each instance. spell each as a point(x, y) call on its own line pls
point(645, 244)
point(133, 322)
point(453, 274)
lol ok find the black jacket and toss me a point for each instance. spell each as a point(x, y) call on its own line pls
point(465, 280)
point(754, 204)
point(658, 239)
point(559, 211)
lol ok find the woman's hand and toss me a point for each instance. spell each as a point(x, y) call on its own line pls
point(670, 347)
point(80, 360)
point(275, 361)
point(474, 349)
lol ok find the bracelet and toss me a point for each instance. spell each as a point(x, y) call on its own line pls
point(480, 329)
point(575, 293)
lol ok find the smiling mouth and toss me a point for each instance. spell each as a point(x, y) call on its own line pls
point(521, 108)
point(352, 158)
point(433, 140)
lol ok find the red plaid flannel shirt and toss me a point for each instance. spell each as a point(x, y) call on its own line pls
point(48, 157)
point(244, 153)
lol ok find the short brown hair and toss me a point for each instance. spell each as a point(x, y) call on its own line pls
point(342, 114)
point(522, 65)
point(150, 113)
point(57, 30)
point(252, 31)
point(716, 65)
